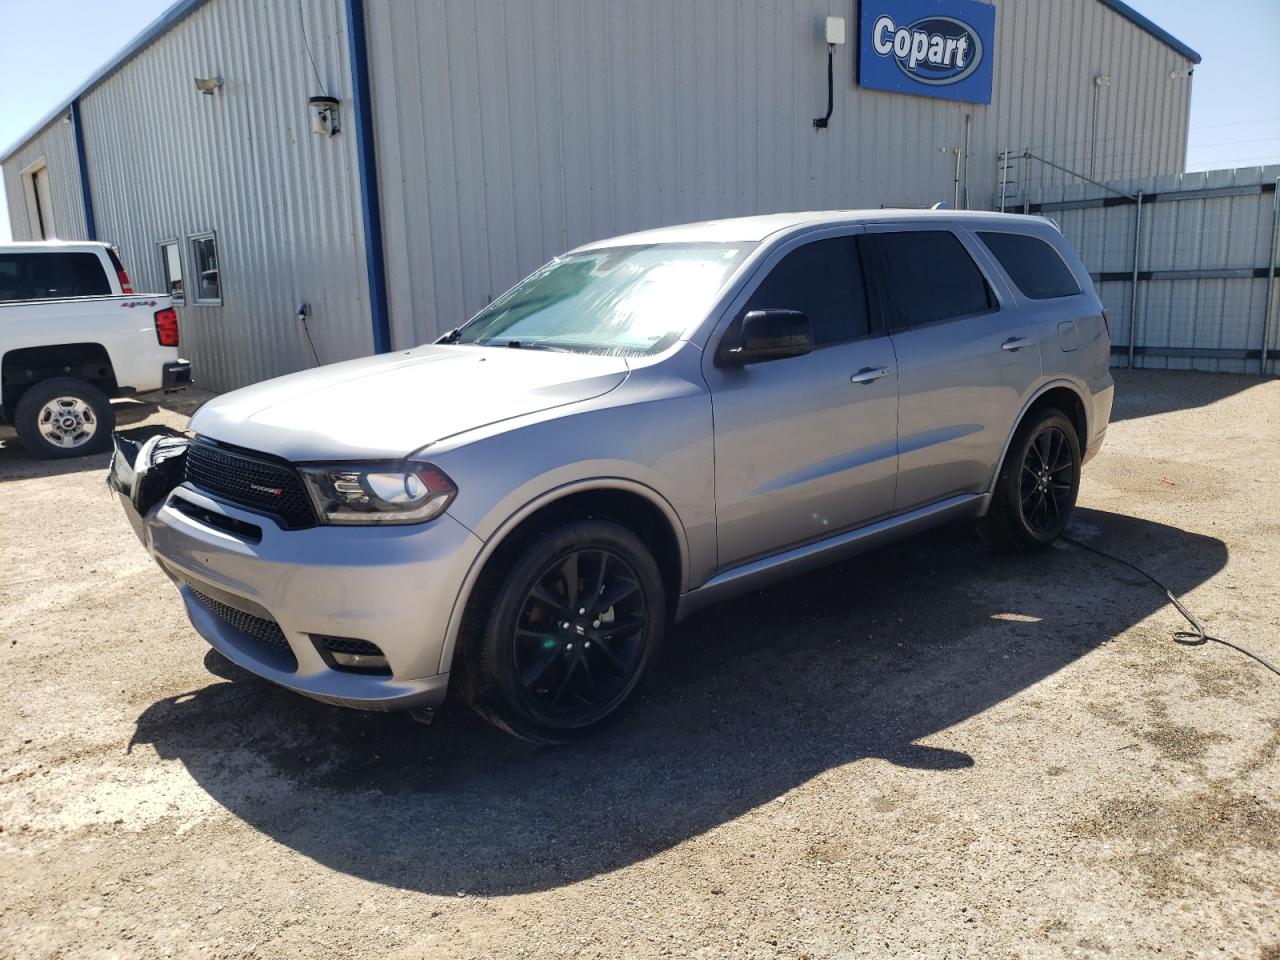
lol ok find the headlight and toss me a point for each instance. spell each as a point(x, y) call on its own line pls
point(378, 492)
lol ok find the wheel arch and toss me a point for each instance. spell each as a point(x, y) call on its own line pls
point(1060, 394)
point(636, 506)
point(23, 367)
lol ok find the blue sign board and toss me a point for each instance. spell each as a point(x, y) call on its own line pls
point(930, 48)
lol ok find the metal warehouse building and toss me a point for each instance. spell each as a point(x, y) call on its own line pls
point(468, 141)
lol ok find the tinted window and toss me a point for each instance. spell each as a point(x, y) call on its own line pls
point(40, 276)
point(1034, 266)
point(930, 277)
point(823, 280)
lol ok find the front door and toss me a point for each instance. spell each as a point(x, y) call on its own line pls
point(805, 447)
point(966, 360)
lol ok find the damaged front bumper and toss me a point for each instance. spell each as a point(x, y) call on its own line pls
point(279, 602)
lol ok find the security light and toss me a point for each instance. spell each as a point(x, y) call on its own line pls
point(208, 85)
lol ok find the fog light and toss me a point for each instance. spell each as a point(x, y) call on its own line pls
point(352, 655)
point(359, 661)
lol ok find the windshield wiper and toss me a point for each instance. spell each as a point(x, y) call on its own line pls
point(534, 345)
point(453, 336)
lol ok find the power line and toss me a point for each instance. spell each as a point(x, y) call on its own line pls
point(1236, 123)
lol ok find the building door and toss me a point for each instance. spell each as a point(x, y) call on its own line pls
point(805, 447)
point(39, 203)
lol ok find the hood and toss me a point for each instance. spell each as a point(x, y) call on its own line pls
point(388, 406)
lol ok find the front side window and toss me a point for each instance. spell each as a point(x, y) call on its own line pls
point(1034, 267)
point(51, 276)
point(931, 277)
point(171, 262)
point(823, 280)
point(615, 300)
point(208, 279)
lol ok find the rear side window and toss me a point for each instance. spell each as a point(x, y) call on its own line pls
point(823, 280)
point(930, 277)
point(41, 276)
point(1033, 265)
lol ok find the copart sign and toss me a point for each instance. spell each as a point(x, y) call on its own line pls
point(930, 48)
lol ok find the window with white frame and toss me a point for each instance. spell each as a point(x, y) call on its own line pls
point(171, 263)
point(204, 261)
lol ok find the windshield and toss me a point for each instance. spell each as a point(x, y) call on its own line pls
point(616, 300)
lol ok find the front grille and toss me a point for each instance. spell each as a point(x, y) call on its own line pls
point(251, 481)
point(265, 632)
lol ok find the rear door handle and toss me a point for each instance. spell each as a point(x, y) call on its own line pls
point(1015, 343)
point(869, 375)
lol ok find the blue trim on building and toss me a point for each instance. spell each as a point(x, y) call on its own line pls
point(86, 196)
point(1137, 19)
point(154, 31)
point(370, 204)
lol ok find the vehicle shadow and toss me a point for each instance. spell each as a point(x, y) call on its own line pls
point(752, 698)
point(1147, 393)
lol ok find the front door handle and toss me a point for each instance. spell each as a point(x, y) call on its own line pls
point(1015, 343)
point(869, 375)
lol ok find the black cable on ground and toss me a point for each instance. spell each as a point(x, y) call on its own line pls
point(1185, 637)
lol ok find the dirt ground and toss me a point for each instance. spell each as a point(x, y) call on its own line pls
point(928, 751)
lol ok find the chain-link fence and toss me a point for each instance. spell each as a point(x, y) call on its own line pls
point(1185, 264)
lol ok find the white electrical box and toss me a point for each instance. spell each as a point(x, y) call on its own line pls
point(835, 30)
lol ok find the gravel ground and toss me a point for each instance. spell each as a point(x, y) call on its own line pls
point(927, 751)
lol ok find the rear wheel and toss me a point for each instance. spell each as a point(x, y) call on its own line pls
point(64, 417)
point(569, 631)
point(1038, 484)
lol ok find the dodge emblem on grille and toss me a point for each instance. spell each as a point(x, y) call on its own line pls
point(274, 491)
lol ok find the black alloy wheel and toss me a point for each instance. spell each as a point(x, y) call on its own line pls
point(580, 635)
point(561, 633)
point(1047, 481)
point(1036, 489)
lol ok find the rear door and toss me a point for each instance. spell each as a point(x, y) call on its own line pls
point(805, 446)
point(966, 358)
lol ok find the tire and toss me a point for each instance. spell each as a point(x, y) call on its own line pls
point(1039, 481)
point(64, 417)
point(540, 669)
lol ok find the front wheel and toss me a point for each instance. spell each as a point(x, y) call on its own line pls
point(569, 630)
point(1038, 484)
point(64, 417)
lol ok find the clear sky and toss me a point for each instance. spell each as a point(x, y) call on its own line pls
point(48, 48)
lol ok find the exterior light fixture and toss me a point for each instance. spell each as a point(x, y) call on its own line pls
point(324, 116)
point(208, 85)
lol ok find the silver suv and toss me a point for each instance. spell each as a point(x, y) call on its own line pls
point(643, 426)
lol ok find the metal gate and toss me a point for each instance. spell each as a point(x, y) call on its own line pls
point(1185, 264)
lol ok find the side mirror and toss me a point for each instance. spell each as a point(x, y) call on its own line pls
point(770, 335)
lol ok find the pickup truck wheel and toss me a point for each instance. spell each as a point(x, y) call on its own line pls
point(64, 417)
point(570, 629)
point(1038, 484)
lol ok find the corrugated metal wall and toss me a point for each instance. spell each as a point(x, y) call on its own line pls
point(511, 131)
point(56, 146)
point(1204, 307)
point(166, 161)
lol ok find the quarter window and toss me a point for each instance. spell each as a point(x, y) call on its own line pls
point(171, 262)
point(1033, 265)
point(931, 277)
point(208, 278)
point(823, 280)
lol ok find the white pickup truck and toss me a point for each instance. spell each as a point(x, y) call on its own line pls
point(73, 334)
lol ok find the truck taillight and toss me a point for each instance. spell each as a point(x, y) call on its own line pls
point(125, 285)
point(167, 327)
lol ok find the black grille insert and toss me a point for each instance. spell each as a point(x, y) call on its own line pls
point(251, 481)
point(266, 632)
